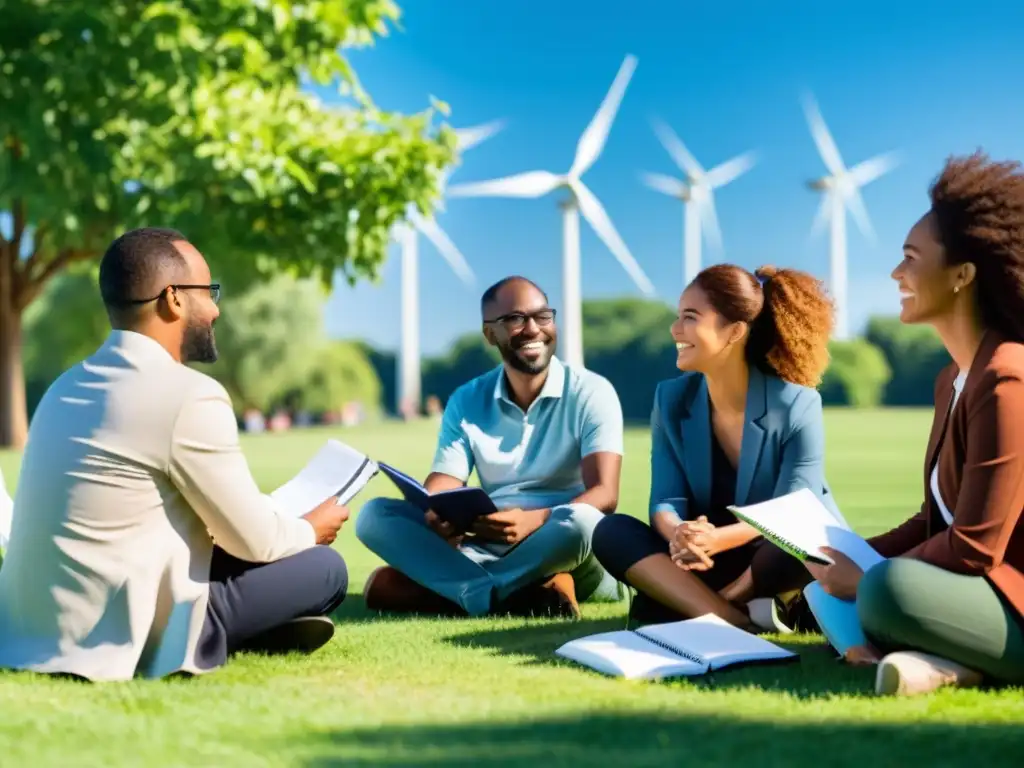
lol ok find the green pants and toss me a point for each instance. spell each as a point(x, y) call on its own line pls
point(906, 604)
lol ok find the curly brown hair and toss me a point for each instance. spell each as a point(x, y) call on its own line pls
point(978, 209)
point(789, 313)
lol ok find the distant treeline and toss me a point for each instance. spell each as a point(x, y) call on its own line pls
point(275, 353)
point(628, 341)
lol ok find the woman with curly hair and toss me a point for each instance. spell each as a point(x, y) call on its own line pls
point(742, 425)
point(948, 606)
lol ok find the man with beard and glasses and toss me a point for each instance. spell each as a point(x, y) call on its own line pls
point(545, 440)
point(132, 471)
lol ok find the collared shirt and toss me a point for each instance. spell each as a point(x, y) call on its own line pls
point(529, 459)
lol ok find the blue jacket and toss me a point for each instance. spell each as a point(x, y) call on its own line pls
point(783, 446)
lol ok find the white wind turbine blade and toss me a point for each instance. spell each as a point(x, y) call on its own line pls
point(823, 215)
point(677, 150)
point(866, 172)
point(823, 139)
point(593, 139)
point(529, 184)
point(731, 170)
point(853, 200)
point(445, 247)
point(709, 220)
point(596, 216)
point(467, 138)
point(665, 184)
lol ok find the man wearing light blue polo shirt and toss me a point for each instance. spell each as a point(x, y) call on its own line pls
point(545, 440)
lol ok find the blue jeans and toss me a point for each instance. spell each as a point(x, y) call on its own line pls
point(477, 576)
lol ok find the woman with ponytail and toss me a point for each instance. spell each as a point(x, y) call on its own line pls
point(743, 424)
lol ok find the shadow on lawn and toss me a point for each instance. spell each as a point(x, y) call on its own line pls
point(817, 672)
point(658, 740)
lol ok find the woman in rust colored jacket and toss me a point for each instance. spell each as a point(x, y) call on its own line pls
point(948, 604)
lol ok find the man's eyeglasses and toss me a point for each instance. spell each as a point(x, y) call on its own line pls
point(516, 320)
point(213, 288)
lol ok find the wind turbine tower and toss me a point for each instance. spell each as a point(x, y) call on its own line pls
point(840, 190)
point(580, 199)
point(695, 192)
point(408, 391)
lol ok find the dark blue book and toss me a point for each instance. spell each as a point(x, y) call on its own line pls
point(458, 506)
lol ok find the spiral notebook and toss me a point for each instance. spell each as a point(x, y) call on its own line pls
point(801, 525)
point(458, 506)
point(336, 470)
point(677, 649)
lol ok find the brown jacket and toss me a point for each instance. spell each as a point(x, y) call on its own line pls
point(981, 476)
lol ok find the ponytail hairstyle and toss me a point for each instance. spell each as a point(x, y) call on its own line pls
point(789, 314)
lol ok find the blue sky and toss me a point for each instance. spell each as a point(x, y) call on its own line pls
point(727, 77)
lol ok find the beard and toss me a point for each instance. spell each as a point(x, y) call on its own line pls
point(198, 344)
point(511, 356)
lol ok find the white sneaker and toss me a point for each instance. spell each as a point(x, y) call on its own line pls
point(764, 613)
point(910, 673)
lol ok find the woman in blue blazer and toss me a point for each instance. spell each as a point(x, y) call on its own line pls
point(743, 424)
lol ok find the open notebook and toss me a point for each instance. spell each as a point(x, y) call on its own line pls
point(336, 470)
point(677, 649)
point(800, 524)
point(458, 506)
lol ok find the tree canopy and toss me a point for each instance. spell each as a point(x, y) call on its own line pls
point(199, 115)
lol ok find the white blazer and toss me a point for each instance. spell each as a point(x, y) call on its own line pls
point(6, 508)
point(132, 464)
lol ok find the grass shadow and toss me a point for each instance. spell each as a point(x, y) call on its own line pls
point(818, 672)
point(655, 739)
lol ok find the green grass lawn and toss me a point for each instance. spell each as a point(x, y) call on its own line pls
point(399, 691)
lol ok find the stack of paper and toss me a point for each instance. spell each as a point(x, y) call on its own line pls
point(336, 470)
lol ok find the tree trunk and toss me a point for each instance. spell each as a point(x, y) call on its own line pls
point(13, 412)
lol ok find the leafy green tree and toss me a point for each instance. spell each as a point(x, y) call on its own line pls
point(193, 114)
point(915, 355)
point(62, 327)
point(341, 372)
point(269, 340)
point(857, 374)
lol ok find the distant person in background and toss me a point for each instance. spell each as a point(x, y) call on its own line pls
point(743, 424)
point(948, 607)
point(546, 442)
point(132, 470)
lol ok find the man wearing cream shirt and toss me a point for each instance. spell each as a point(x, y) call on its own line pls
point(140, 543)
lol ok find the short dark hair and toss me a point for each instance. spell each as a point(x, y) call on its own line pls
point(491, 294)
point(978, 205)
point(789, 313)
point(137, 265)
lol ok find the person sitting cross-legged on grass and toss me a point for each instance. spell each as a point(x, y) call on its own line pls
point(743, 424)
point(545, 439)
point(132, 472)
point(948, 605)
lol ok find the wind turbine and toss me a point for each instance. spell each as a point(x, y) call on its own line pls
point(408, 368)
point(841, 188)
point(580, 200)
point(695, 190)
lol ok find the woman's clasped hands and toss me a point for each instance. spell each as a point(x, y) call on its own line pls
point(694, 544)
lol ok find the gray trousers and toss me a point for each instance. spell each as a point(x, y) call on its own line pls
point(478, 575)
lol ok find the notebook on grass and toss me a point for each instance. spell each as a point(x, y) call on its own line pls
point(336, 470)
point(677, 649)
point(801, 525)
point(458, 506)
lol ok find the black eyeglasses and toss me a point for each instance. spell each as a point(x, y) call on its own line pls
point(213, 288)
point(516, 320)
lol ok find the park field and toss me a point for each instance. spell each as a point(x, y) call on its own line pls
point(402, 692)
